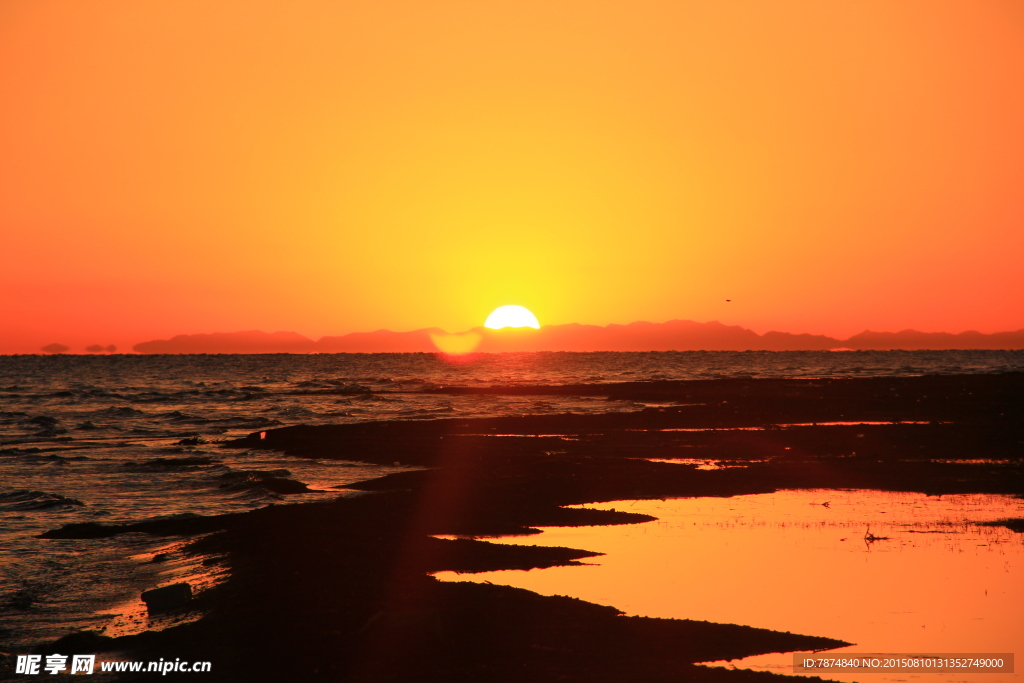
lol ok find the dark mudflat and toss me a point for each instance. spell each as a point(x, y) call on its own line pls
point(339, 591)
point(922, 427)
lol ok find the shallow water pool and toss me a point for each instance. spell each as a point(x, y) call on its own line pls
point(890, 572)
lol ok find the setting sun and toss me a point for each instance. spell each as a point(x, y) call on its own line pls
point(511, 316)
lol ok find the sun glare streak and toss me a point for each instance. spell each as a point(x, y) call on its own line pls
point(511, 316)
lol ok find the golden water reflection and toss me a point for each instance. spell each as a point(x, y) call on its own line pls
point(799, 561)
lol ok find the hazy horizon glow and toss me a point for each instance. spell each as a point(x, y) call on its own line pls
point(332, 167)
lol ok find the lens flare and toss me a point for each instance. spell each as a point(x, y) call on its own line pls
point(455, 344)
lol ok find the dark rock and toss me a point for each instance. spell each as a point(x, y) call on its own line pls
point(168, 598)
point(77, 642)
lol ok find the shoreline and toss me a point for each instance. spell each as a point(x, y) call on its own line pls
point(341, 588)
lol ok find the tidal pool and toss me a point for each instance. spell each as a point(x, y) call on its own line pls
point(890, 572)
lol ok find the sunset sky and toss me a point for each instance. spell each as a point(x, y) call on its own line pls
point(327, 167)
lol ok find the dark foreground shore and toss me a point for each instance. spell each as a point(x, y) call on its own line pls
point(340, 591)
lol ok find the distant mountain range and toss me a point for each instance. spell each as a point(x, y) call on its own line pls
point(674, 335)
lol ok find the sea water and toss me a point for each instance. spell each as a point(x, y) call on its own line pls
point(125, 438)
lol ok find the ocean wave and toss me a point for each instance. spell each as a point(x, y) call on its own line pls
point(178, 416)
point(32, 450)
point(121, 411)
point(247, 422)
point(194, 462)
point(24, 499)
point(50, 432)
point(274, 481)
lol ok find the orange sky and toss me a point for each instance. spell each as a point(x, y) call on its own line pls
point(328, 167)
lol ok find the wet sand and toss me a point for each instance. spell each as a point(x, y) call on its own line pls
point(340, 591)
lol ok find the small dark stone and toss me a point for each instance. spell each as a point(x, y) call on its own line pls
point(168, 598)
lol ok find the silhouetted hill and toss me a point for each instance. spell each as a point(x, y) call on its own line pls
point(912, 339)
point(674, 335)
point(253, 341)
point(381, 341)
